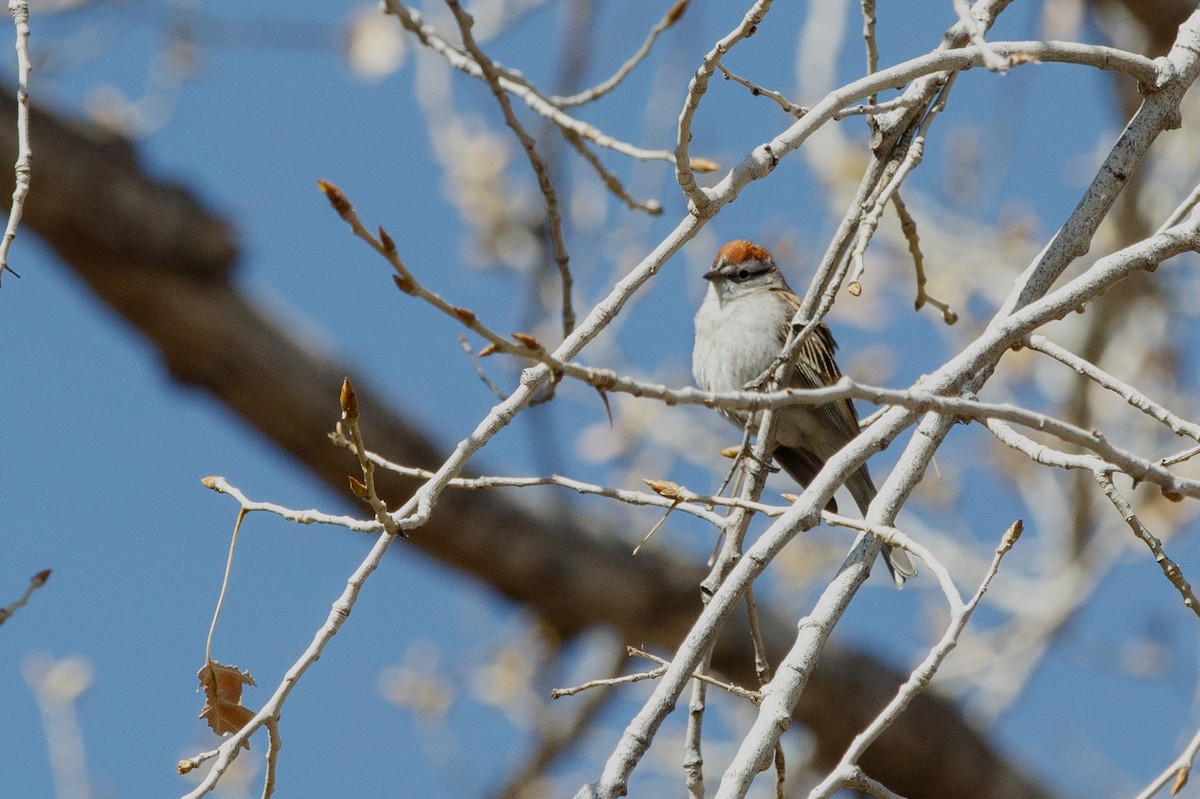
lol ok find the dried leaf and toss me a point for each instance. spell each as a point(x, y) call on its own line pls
point(357, 486)
point(223, 708)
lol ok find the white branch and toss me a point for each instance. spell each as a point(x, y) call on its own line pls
point(19, 9)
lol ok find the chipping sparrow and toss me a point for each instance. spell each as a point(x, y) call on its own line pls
point(740, 328)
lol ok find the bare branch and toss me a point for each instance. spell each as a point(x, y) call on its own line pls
point(35, 582)
point(491, 76)
point(673, 15)
point(696, 89)
point(1169, 567)
point(19, 9)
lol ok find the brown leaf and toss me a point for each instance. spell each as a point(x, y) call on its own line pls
point(223, 708)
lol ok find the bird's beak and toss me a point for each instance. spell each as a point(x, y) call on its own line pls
point(711, 274)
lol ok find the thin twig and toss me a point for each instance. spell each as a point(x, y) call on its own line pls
point(676, 497)
point(992, 60)
point(960, 614)
point(1170, 568)
point(700, 201)
point(275, 743)
point(491, 76)
point(599, 90)
point(912, 158)
point(608, 682)
point(736, 690)
point(1176, 774)
point(212, 628)
point(759, 91)
point(1176, 424)
point(557, 738)
point(19, 9)
point(611, 181)
point(487, 381)
point(693, 753)
point(35, 582)
point(908, 226)
point(515, 84)
point(337, 616)
point(1182, 210)
point(868, 32)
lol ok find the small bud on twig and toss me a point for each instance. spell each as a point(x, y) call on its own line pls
point(405, 284)
point(389, 246)
point(336, 198)
point(349, 400)
point(526, 339)
point(664, 488)
point(1181, 778)
point(357, 486)
point(1010, 537)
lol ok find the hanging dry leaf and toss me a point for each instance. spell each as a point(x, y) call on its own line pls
point(223, 708)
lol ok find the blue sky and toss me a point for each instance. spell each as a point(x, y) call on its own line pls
point(103, 455)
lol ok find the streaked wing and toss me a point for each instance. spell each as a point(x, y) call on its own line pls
point(816, 368)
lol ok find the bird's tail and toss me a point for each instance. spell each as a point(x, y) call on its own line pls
point(898, 562)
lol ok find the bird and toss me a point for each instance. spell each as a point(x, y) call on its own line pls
point(741, 327)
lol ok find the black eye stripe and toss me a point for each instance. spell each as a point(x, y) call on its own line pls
point(746, 271)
